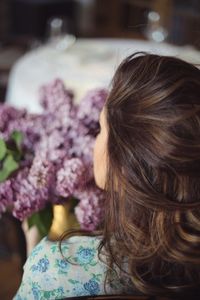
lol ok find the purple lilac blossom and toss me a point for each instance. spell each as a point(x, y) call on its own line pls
point(82, 147)
point(70, 177)
point(55, 95)
point(51, 142)
point(42, 174)
point(8, 114)
point(56, 99)
point(28, 200)
point(6, 195)
point(31, 128)
point(57, 154)
point(90, 107)
point(89, 211)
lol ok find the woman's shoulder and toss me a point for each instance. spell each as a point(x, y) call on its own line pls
point(77, 252)
point(70, 249)
point(74, 269)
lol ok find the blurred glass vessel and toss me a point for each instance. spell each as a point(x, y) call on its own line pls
point(57, 34)
point(154, 30)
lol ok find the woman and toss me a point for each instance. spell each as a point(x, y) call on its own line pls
point(147, 159)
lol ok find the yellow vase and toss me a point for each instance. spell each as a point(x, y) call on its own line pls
point(63, 219)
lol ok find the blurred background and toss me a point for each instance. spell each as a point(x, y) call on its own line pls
point(30, 30)
point(25, 24)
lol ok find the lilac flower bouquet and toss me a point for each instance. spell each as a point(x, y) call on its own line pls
point(46, 159)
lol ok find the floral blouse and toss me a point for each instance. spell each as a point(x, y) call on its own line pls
point(48, 275)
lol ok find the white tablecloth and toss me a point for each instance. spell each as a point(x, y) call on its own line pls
point(87, 64)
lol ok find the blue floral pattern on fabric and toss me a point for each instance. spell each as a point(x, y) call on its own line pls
point(42, 265)
point(48, 275)
point(36, 250)
point(61, 263)
point(92, 287)
point(85, 255)
point(18, 297)
point(36, 291)
point(62, 266)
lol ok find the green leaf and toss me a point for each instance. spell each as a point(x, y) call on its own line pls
point(73, 281)
point(3, 175)
point(15, 154)
point(17, 137)
point(42, 219)
point(3, 149)
point(9, 166)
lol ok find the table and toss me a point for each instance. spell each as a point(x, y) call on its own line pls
point(89, 63)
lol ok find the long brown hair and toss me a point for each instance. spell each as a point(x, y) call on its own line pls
point(151, 229)
point(152, 211)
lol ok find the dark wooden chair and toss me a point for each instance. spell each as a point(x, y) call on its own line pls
point(12, 255)
point(116, 297)
point(191, 296)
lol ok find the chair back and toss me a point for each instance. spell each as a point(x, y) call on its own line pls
point(116, 297)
